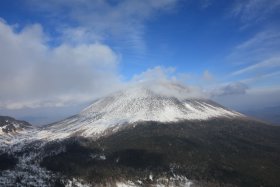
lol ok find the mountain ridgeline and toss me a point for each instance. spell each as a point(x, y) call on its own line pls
point(138, 137)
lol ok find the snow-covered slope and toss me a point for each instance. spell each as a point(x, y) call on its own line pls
point(12, 131)
point(135, 104)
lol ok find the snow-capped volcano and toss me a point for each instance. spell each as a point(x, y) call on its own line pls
point(136, 104)
point(126, 138)
point(142, 104)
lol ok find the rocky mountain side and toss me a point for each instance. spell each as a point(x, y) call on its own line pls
point(9, 125)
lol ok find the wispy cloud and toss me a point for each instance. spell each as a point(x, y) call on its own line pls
point(207, 76)
point(205, 3)
point(256, 57)
point(261, 77)
point(124, 21)
point(234, 88)
point(263, 45)
point(253, 11)
point(261, 66)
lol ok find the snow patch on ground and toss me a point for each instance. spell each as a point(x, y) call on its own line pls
point(176, 181)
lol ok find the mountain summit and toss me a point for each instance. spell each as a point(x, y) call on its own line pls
point(138, 104)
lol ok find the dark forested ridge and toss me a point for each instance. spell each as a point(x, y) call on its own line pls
point(216, 152)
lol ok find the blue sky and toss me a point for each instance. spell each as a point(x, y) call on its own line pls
point(59, 55)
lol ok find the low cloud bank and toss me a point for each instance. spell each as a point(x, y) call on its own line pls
point(33, 74)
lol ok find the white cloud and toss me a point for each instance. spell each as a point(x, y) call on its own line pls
point(167, 82)
point(156, 73)
point(32, 74)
